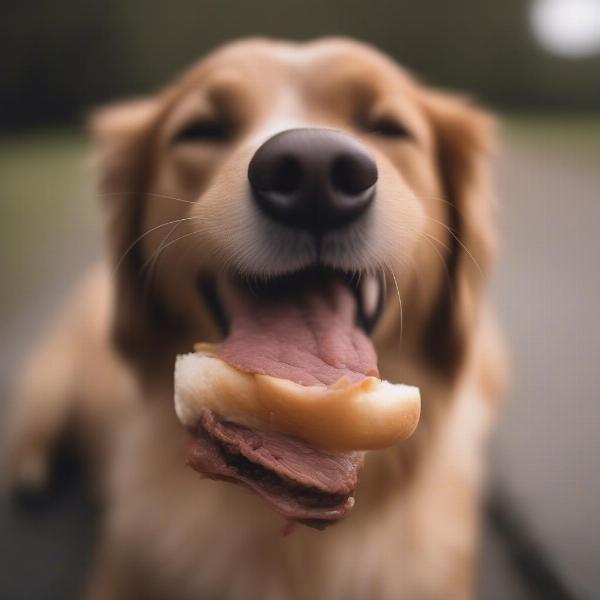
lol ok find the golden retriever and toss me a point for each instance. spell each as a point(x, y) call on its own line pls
point(180, 213)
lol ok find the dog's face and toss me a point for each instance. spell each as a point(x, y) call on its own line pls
point(269, 159)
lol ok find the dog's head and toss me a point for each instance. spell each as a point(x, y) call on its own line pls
point(268, 159)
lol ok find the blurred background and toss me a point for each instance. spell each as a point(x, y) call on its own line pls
point(535, 62)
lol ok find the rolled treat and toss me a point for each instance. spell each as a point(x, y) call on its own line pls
point(345, 416)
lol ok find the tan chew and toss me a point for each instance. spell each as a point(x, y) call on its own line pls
point(366, 415)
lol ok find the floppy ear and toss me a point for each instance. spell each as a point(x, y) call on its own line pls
point(464, 142)
point(123, 133)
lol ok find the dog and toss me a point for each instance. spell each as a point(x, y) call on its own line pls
point(181, 212)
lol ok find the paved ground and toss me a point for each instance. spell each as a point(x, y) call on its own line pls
point(547, 289)
point(548, 292)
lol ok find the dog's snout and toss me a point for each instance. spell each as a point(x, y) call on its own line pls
point(314, 179)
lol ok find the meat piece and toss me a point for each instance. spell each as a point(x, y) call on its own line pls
point(302, 483)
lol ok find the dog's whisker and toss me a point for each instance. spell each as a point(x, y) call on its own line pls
point(451, 204)
point(151, 194)
point(192, 246)
point(154, 260)
point(159, 251)
point(381, 271)
point(444, 264)
point(435, 198)
point(433, 238)
point(141, 237)
point(357, 274)
point(399, 302)
point(152, 267)
point(459, 241)
point(417, 272)
point(438, 199)
point(449, 229)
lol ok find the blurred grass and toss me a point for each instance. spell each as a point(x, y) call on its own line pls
point(47, 208)
point(579, 133)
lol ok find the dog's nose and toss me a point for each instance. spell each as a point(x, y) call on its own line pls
point(314, 179)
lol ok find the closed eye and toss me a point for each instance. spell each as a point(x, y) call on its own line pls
point(388, 128)
point(206, 130)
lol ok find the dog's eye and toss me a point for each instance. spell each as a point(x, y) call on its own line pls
point(205, 131)
point(388, 128)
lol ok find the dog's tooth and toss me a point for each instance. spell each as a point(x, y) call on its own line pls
point(370, 295)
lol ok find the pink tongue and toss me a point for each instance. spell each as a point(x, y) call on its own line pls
point(308, 336)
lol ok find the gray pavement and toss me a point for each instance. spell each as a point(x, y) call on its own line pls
point(547, 290)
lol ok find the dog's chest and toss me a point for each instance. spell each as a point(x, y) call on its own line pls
point(211, 539)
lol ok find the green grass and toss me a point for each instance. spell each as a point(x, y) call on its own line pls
point(578, 132)
point(46, 200)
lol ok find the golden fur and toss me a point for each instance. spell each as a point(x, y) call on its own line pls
point(106, 368)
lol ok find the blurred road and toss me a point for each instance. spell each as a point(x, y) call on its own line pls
point(547, 288)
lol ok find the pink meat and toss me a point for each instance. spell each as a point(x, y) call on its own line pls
point(301, 483)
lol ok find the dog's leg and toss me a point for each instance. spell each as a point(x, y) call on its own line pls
point(109, 579)
point(116, 576)
point(73, 383)
point(40, 410)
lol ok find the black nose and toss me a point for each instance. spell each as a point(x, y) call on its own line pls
point(315, 179)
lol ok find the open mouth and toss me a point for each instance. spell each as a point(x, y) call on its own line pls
point(310, 327)
point(366, 287)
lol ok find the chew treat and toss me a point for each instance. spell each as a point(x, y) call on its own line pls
point(344, 416)
point(287, 402)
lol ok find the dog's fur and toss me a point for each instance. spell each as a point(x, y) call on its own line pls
point(106, 370)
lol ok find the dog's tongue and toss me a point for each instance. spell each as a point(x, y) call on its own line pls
point(307, 334)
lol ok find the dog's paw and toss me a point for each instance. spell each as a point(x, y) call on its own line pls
point(31, 440)
point(30, 473)
point(37, 474)
point(43, 479)
point(27, 465)
point(29, 480)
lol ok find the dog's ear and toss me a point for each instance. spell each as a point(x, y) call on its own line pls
point(464, 138)
point(123, 133)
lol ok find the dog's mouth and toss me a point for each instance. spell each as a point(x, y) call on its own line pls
point(311, 327)
point(367, 288)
